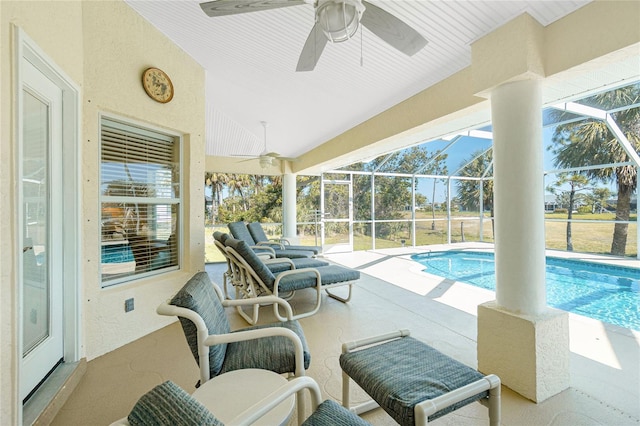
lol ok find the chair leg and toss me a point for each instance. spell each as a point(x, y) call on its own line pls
point(315, 309)
point(345, 391)
point(225, 282)
point(342, 299)
point(301, 406)
point(253, 320)
point(346, 400)
point(494, 400)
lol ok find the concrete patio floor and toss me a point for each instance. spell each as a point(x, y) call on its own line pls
point(393, 293)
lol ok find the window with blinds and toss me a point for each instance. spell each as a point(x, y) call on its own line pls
point(140, 201)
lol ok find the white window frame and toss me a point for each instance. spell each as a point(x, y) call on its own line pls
point(141, 129)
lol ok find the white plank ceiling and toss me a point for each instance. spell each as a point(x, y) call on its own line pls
point(250, 62)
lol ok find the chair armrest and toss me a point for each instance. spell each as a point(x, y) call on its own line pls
point(243, 335)
point(297, 271)
point(269, 299)
point(282, 241)
point(261, 247)
point(271, 243)
point(269, 402)
point(350, 346)
point(285, 242)
point(280, 260)
point(201, 328)
point(165, 308)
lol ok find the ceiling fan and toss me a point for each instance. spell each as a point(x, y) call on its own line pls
point(335, 21)
point(265, 157)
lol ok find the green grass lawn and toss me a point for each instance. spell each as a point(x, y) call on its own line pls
point(586, 237)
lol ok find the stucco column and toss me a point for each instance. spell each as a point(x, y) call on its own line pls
point(519, 338)
point(516, 112)
point(289, 219)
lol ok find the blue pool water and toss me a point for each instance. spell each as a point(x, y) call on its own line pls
point(604, 292)
point(118, 253)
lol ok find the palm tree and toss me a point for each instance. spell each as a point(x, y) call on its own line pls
point(576, 182)
point(601, 197)
point(217, 182)
point(436, 168)
point(239, 183)
point(589, 141)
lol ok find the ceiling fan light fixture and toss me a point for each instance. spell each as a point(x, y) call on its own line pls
point(266, 162)
point(339, 19)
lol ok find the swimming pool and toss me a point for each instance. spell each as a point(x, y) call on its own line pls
point(117, 253)
point(604, 292)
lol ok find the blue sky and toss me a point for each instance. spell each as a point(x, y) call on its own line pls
point(462, 151)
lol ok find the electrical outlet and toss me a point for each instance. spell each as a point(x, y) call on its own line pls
point(128, 305)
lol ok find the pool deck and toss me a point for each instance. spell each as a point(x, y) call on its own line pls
point(605, 359)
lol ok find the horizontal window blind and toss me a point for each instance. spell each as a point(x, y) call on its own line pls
point(140, 200)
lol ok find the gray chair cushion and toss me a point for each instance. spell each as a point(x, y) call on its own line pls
point(331, 274)
point(314, 249)
point(330, 413)
point(298, 263)
point(168, 404)
point(403, 372)
point(199, 296)
point(221, 237)
point(257, 232)
point(293, 254)
point(253, 261)
point(240, 231)
point(268, 353)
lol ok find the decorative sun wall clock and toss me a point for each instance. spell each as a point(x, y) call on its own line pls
point(158, 85)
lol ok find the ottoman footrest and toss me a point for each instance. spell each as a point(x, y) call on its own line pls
point(413, 382)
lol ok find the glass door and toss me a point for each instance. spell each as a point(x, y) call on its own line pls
point(40, 181)
point(337, 216)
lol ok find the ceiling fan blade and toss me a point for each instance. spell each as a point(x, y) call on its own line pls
point(235, 7)
point(312, 49)
point(392, 30)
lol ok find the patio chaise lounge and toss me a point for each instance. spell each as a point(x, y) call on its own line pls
point(259, 236)
point(258, 280)
point(240, 231)
point(268, 256)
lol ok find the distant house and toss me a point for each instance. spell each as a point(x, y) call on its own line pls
point(633, 203)
point(550, 203)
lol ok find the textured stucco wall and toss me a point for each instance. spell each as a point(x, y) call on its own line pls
point(113, 64)
point(103, 47)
